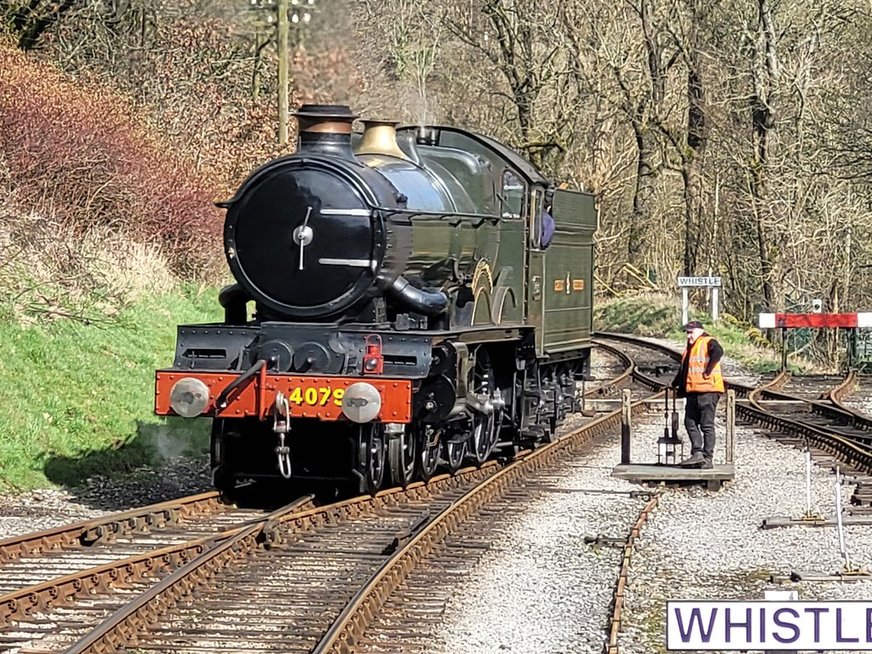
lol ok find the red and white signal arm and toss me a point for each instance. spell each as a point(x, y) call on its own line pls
point(817, 320)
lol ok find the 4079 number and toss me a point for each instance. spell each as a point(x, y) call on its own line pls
point(312, 396)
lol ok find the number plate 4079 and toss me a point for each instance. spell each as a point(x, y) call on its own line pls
point(312, 396)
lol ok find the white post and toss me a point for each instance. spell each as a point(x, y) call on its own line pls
point(684, 317)
point(807, 484)
point(715, 307)
point(731, 427)
point(842, 548)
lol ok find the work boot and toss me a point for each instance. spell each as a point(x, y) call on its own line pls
point(694, 461)
point(707, 464)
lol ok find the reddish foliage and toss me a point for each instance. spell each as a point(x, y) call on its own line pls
point(79, 154)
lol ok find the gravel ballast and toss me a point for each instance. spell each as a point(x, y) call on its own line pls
point(709, 545)
point(541, 589)
point(47, 508)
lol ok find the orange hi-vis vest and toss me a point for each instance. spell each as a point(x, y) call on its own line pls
point(699, 359)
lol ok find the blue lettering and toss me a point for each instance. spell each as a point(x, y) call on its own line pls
point(777, 620)
point(695, 618)
point(762, 625)
point(729, 624)
point(817, 622)
point(869, 625)
point(839, 638)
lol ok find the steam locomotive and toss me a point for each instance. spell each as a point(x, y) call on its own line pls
point(395, 308)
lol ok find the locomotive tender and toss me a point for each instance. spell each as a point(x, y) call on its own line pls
point(394, 310)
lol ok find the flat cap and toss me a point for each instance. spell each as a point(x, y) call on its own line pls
point(693, 324)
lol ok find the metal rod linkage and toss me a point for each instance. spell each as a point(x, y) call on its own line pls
point(807, 483)
point(839, 524)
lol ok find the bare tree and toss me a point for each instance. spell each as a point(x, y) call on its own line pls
point(30, 19)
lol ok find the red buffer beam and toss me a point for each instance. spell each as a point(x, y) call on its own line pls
point(818, 320)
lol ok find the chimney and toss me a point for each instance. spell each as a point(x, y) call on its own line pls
point(380, 137)
point(325, 129)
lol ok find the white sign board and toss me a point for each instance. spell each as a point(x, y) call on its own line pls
point(684, 283)
point(687, 282)
point(775, 626)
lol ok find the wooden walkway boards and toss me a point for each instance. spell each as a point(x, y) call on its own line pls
point(655, 474)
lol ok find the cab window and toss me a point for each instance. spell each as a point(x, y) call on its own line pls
point(513, 192)
point(536, 219)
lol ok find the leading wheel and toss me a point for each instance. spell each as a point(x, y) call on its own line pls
point(222, 477)
point(372, 457)
point(401, 457)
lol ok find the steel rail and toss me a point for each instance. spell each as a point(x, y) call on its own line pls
point(108, 527)
point(20, 604)
point(616, 617)
point(266, 532)
point(622, 377)
point(349, 628)
point(838, 394)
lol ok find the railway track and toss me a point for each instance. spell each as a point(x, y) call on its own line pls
point(94, 546)
point(803, 412)
point(817, 405)
point(376, 620)
point(834, 434)
point(617, 607)
point(297, 567)
point(358, 576)
point(54, 615)
point(808, 413)
point(404, 579)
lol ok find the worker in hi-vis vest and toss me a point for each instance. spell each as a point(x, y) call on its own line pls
point(700, 381)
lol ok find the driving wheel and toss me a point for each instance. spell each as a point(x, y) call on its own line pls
point(454, 454)
point(372, 457)
point(428, 442)
point(485, 426)
point(401, 457)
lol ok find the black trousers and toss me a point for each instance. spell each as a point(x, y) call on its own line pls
point(699, 420)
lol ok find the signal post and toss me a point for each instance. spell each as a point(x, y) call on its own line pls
point(817, 320)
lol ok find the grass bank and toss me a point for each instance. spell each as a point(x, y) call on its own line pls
point(77, 400)
point(660, 316)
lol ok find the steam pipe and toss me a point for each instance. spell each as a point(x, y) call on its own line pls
point(429, 303)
